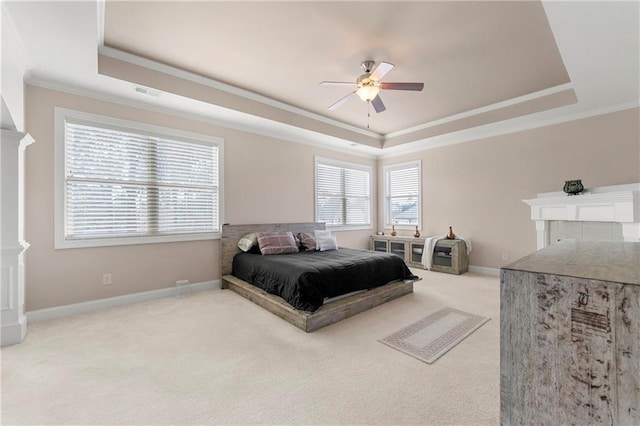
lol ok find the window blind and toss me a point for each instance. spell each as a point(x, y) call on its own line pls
point(343, 195)
point(119, 183)
point(403, 195)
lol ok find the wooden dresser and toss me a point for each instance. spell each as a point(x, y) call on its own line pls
point(408, 248)
point(570, 335)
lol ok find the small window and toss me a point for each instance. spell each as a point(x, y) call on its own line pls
point(402, 195)
point(128, 183)
point(343, 194)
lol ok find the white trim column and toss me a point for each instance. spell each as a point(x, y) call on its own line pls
point(12, 244)
point(542, 233)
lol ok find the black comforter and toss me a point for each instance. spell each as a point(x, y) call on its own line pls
point(305, 279)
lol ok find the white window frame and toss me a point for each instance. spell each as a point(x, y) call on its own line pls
point(61, 115)
point(387, 206)
point(344, 165)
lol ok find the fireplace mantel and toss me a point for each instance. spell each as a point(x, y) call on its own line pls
point(618, 203)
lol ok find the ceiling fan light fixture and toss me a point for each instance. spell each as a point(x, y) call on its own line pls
point(368, 90)
point(368, 85)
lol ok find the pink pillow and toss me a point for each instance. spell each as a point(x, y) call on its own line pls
point(277, 243)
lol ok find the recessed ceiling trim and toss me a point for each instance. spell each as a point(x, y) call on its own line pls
point(481, 110)
point(514, 125)
point(205, 81)
point(257, 126)
point(305, 137)
point(522, 109)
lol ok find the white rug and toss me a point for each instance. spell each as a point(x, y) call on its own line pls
point(431, 337)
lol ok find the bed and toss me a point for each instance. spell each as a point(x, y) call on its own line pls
point(320, 312)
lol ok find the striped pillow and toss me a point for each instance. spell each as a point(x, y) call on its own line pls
point(277, 243)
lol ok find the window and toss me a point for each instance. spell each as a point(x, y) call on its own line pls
point(120, 182)
point(402, 194)
point(343, 194)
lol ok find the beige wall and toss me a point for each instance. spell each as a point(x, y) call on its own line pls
point(265, 180)
point(478, 187)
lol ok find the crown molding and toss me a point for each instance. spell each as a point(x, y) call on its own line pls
point(481, 110)
point(514, 125)
point(294, 134)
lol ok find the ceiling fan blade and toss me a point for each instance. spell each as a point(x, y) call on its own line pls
point(381, 70)
point(336, 83)
point(402, 86)
point(377, 104)
point(341, 101)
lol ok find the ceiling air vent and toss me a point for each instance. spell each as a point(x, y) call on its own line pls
point(147, 91)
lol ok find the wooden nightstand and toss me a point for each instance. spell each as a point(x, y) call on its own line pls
point(450, 256)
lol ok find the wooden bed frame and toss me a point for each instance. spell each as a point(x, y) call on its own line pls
point(328, 313)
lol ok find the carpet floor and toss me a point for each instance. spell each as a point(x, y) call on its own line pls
point(215, 358)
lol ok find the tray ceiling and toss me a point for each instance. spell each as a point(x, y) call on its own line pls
point(489, 67)
point(468, 54)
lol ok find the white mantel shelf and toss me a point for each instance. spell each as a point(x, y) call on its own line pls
point(618, 203)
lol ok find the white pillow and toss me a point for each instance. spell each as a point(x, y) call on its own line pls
point(321, 234)
point(248, 241)
point(327, 243)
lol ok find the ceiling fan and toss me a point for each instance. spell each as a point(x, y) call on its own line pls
point(369, 84)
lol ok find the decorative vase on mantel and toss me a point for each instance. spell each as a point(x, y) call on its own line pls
point(450, 234)
point(573, 187)
point(393, 231)
point(417, 233)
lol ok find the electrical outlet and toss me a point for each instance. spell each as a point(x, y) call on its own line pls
point(505, 256)
point(106, 279)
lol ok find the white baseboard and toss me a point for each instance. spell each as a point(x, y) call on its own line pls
point(95, 305)
point(485, 270)
point(11, 334)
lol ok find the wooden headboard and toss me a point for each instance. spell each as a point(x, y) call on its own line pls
point(231, 234)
